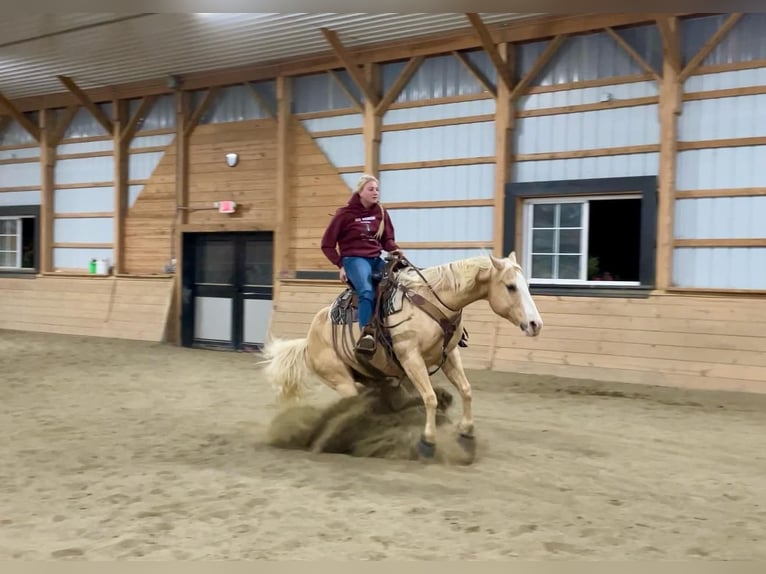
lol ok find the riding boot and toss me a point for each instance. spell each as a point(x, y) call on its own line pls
point(366, 343)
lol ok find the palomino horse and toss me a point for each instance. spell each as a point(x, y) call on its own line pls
point(424, 327)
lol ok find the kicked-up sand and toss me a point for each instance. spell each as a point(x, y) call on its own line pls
point(129, 450)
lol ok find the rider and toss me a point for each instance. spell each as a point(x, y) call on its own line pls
point(361, 229)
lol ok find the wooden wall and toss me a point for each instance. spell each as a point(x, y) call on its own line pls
point(692, 341)
point(119, 307)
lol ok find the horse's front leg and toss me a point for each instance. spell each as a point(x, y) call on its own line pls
point(417, 372)
point(453, 369)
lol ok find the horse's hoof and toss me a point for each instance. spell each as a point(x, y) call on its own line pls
point(426, 449)
point(468, 442)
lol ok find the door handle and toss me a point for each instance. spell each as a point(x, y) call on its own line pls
point(246, 293)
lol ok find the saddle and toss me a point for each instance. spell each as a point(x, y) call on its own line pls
point(388, 301)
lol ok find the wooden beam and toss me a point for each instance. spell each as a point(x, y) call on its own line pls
point(200, 110)
point(538, 66)
point(633, 54)
point(354, 101)
point(477, 73)
point(722, 242)
point(282, 232)
point(20, 118)
point(351, 65)
point(261, 100)
point(372, 124)
point(669, 108)
point(129, 129)
point(504, 123)
point(401, 80)
point(123, 132)
point(87, 103)
point(489, 46)
point(714, 40)
point(47, 187)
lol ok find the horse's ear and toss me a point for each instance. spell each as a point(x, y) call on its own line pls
point(497, 263)
point(512, 257)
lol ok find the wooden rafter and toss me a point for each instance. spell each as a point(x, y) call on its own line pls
point(633, 54)
point(20, 118)
point(671, 45)
point(87, 103)
point(200, 110)
point(538, 66)
point(130, 128)
point(351, 65)
point(478, 74)
point(491, 48)
point(258, 97)
point(714, 40)
point(354, 101)
point(401, 80)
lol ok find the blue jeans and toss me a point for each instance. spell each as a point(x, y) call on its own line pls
point(359, 271)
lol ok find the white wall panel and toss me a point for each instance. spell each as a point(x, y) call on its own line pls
point(161, 116)
point(84, 170)
point(20, 175)
point(439, 112)
point(443, 224)
point(721, 168)
point(133, 192)
point(722, 118)
point(720, 218)
point(66, 258)
point(84, 200)
point(438, 183)
point(231, 104)
point(726, 80)
point(443, 142)
point(83, 230)
point(19, 198)
point(431, 257)
point(720, 267)
point(588, 167)
point(21, 153)
point(85, 125)
point(588, 130)
point(343, 122)
point(152, 141)
point(85, 147)
point(14, 134)
point(141, 165)
point(582, 96)
point(343, 151)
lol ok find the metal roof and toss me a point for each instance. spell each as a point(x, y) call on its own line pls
point(98, 50)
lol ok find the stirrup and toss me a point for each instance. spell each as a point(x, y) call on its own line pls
point(366, 343)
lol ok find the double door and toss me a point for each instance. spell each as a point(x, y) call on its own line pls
point(227, 289)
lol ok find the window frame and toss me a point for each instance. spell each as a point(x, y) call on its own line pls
point(520, 197)
point(19, 212)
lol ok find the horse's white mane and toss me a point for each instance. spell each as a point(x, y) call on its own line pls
point(455, 275)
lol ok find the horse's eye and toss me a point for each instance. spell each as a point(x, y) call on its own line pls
point(511, 288)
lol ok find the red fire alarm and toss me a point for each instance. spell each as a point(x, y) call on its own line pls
point(227, 206)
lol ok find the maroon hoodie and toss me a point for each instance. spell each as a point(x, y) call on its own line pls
point(353, 229)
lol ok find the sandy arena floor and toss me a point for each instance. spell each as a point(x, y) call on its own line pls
point(129, 450)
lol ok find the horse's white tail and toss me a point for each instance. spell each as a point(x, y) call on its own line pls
point(287, 368)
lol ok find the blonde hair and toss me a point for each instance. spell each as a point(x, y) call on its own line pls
point(363, 180)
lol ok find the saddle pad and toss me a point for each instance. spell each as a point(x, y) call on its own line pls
point(344, 309)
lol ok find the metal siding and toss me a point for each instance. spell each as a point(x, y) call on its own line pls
point(726, 80)
point(433, 257)
point(343, 151)
point(133, 192)
point(443, 224)
point(20, 175)
point(586, 168)
point(722, 118)
point(22, 153)
point(84, 125)
point(443, 142)
point(720, 218)
point(721, 168)
point(20, 198)
point(351, 179)
point(438, 183)
point(720, 267)
point(152, 141)
point(318, 93)
point(436, 77)
point(142, 165)
point(66, 258)
point(14, 134)
point(347, 121)
point(83, 200)
point(588, 130)
point(83, 230)
point(582, 96)
point(85, 147)
point(439, 112)
point(744, 42)
point(84, 170)
point(233, 104)
point(161, 116)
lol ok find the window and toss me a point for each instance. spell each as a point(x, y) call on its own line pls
point(584, 233)
point(18, 239)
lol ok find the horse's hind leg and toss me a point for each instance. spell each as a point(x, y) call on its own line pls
point(453, 369)
point(334, 373)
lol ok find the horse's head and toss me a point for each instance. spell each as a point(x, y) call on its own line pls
point(509, 296)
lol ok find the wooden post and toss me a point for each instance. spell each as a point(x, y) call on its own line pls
point(47, 127)
point(180, 216)
point(504, 123)
point(282, 233)
point(372, 122)
point(119, 118)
